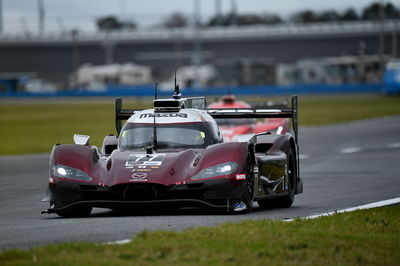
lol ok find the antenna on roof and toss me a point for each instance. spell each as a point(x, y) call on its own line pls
point(155, 91)
point(177, 95)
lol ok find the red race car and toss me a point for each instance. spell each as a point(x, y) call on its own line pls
point(232, 128)
point(174, 155)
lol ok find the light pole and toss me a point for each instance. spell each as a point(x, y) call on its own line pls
point(41, 17)
point(381, 37)
point(196, 57)
point(218, 8)
point(1, 17)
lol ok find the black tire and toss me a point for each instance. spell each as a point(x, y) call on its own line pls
point(287, 200)
point(248, 195)
point(248, 192)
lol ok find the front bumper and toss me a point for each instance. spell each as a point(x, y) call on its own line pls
point(115, 204)
point(215, 193)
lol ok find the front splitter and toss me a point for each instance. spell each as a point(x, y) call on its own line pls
point(113, 204)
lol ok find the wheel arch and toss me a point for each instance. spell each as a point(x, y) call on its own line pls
point(295, 149)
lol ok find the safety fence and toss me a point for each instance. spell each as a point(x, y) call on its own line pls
point(149, 91)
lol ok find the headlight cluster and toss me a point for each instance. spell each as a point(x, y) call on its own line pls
point(217, 170)
point(63, 171)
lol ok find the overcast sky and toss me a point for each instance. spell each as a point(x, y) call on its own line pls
point(19, 15)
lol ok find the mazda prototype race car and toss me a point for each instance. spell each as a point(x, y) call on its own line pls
point(174, 155)
point(232, 128)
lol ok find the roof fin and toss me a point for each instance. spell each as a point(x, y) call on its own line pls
point(177, 94)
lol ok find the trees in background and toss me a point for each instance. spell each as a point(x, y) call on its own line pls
point(113, 23)
point(244, 19)
point(370, 12)
point(179, 20)
point(176, 20)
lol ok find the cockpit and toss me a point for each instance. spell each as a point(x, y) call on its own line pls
point(167, 136)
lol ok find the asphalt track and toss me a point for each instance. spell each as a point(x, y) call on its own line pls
point(342, 166)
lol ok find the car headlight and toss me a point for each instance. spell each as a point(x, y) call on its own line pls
point(217, 170)
point(63, 171)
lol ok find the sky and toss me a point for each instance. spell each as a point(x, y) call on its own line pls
point(22, 15)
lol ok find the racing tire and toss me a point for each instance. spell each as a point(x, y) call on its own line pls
point(287, 200)
point(248, 193)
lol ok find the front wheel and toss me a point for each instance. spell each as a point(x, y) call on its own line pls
point(245, 204)
point(287, 200)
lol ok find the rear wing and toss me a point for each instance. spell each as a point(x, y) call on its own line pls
point(286, 112)
point(121, 114)
point(160, 105)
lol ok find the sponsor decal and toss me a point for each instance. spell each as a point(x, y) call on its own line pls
point(151, 163)
point(143, 160)
point(144, 170)
point(137, 180)
point(196, 103)
point(154, 167)
point(240, 176)
point(286, 180)
point(146, 115)
point(138, 177)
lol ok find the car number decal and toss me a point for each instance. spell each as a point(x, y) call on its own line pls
point(141, 160)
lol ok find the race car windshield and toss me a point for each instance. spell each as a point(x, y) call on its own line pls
point(169, 136)
point(234, 122)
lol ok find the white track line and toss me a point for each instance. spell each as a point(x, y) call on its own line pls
point(394, 145)
point(119, 242)
point(350, 150)
point(361, 207)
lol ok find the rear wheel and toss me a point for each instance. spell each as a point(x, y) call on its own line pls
point(287, 200)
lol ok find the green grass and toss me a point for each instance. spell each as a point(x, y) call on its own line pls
point(328, 110)
point(36, 127)
point(369, 237)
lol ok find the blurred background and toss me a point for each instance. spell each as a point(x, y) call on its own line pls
point(123, 47)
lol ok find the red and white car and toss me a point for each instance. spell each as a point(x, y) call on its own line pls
point(232, 128)
point(174, 155)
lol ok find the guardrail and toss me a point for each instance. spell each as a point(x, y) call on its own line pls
point(148, 91)
point(289, 30)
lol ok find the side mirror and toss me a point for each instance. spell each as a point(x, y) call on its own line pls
point(110, 143)
point(81, 139)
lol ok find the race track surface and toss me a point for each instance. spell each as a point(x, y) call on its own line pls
point(341, 165)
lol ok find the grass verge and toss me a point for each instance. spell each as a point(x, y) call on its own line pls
point(368, 237)
point(36, 127)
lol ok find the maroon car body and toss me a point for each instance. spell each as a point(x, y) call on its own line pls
point(174, 155)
